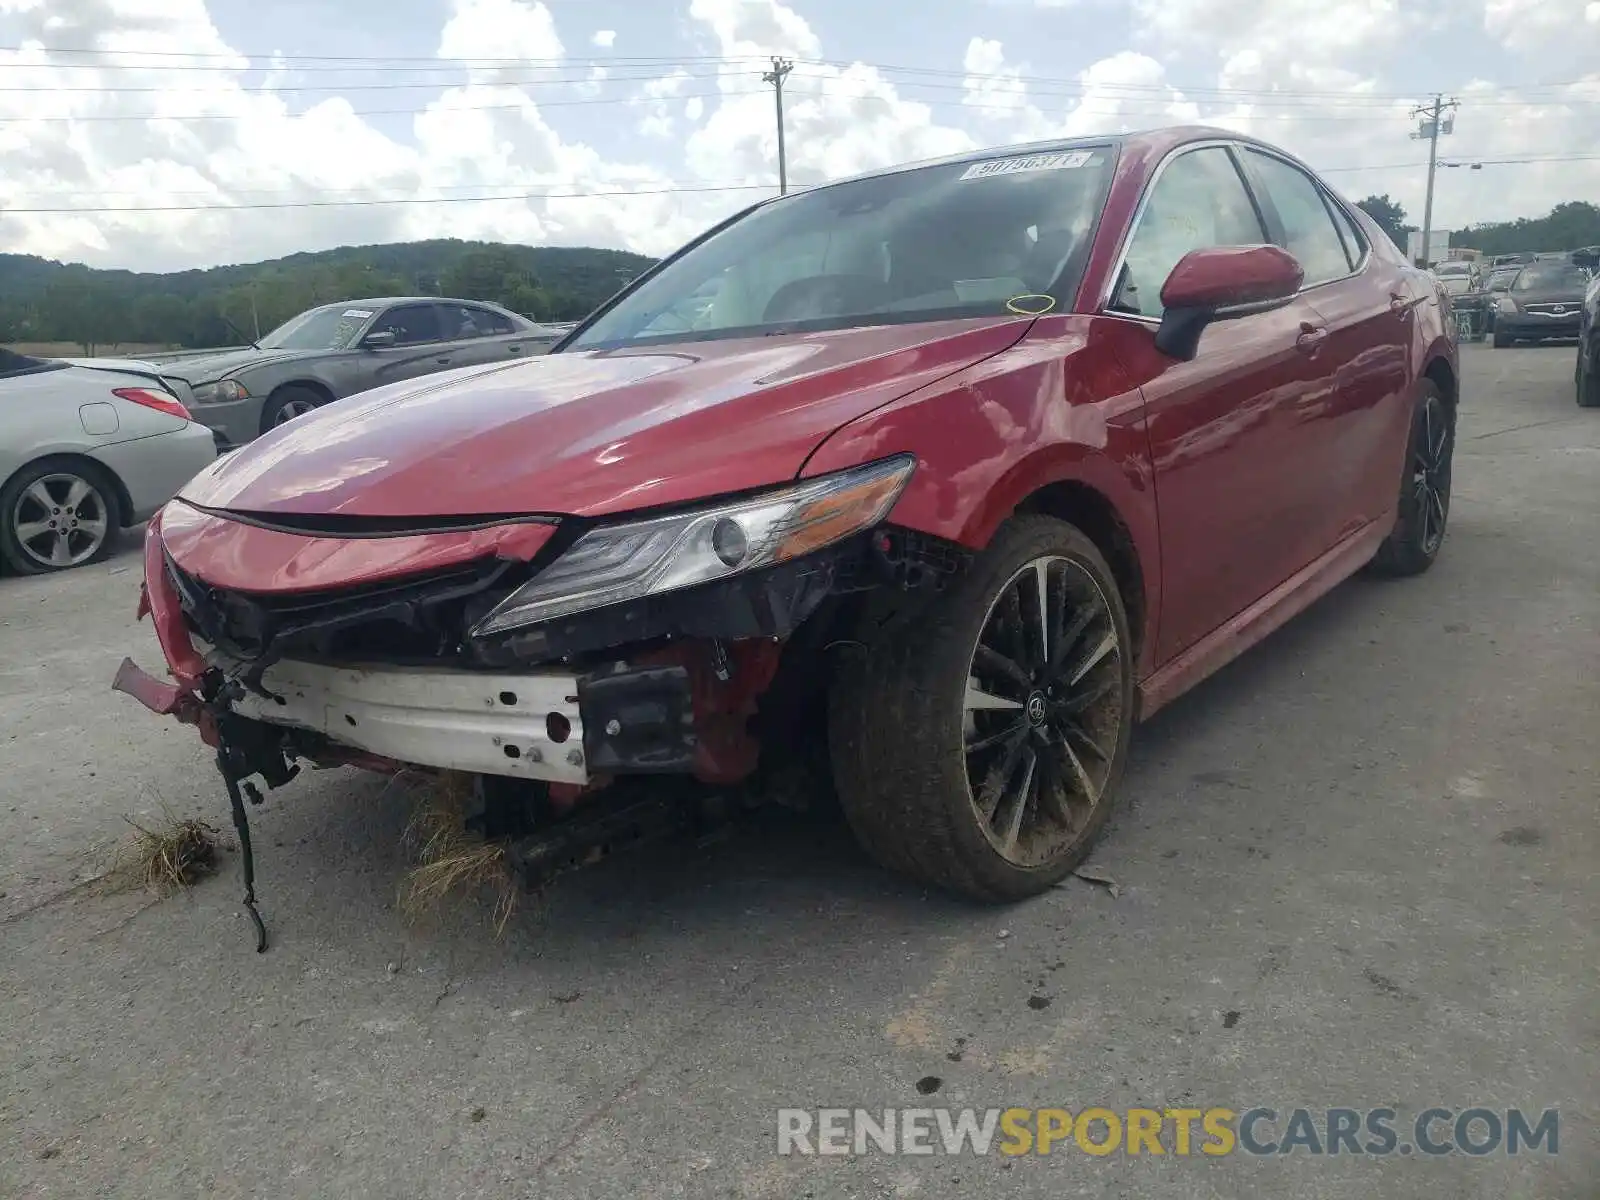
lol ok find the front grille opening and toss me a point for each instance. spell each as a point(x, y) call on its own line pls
point(344, 525)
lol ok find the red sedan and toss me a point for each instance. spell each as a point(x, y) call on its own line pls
point(956, 469)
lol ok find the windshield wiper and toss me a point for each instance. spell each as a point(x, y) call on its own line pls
point(237, 332)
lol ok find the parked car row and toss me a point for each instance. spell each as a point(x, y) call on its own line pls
point(1533, 297)
point(90, 446)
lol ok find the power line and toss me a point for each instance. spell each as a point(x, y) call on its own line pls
point(386, 112)
point(405, 200)
point(931, 76)
point(269, 89)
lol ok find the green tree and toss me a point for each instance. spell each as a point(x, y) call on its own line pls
point(1389, 215)
point(488, 273)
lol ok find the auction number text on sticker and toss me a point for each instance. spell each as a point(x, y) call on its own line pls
point(1061, 160)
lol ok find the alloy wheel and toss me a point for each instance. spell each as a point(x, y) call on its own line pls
point(291, 410)
point(61, 520)
point(1044, 711)
point(1430, 473)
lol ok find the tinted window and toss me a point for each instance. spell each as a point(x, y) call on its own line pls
point(1308, 230)
point(411, 323)
point(1199, 201)
point(1550, 277)
point(470, 321)
point(953, 240)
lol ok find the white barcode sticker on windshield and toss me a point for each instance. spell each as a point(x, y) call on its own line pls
point(1060, 160)
point(358, 312)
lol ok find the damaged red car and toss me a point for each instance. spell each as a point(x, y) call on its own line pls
point(957, 470)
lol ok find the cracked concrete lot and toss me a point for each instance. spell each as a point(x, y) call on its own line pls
point(1358, 868)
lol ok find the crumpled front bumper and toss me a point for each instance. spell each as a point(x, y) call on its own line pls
point(675, 709)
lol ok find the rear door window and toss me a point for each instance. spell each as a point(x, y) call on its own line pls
point(411, 323)
point(1308, 229)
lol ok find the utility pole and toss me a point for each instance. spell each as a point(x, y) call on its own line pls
point(1433, 122)
point(780, 71)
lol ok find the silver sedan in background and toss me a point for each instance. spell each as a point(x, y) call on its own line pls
point(87, 447)
point(337, 350)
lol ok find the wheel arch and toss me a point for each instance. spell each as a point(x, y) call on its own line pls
point(78, 458)
point(1091, 510)
point(1440, 373)
point(310, 383)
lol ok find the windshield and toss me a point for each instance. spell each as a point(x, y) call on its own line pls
point(947, 241)
point(1550, 277)
point(1500, 280)
point(1457, 285)
point(330, 328)
point(1460, 268)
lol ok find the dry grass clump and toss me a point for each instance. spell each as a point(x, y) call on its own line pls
point(173, 856)
point(449, 860)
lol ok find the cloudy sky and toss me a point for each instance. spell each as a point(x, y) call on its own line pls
point(235, 130)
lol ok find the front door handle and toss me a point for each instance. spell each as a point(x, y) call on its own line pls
point(1311, 338)
point(1399, 302)
point(514, 349)
point(443, 362)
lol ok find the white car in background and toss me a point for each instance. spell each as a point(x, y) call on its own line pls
point(87, 447)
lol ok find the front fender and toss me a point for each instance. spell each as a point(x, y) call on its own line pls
point(1055, 408)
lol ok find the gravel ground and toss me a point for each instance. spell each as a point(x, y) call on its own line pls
point(1358, 868)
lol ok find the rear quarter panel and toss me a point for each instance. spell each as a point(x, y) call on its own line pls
point(1057, 407)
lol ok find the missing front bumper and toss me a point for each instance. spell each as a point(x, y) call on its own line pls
point(526, 725)
point(551, 726)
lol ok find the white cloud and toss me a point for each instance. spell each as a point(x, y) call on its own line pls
point(1330, 80)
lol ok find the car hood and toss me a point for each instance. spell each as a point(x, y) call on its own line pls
point(593, 432)
point(1571, 296)
point(209, 367)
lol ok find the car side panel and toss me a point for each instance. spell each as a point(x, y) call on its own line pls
point(1057, 407)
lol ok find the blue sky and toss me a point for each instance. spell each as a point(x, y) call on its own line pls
point(1330, 80)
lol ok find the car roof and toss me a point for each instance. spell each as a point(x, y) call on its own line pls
point(1153, 142)
point(386, 301)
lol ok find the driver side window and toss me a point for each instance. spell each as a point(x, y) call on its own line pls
point(1198, 202)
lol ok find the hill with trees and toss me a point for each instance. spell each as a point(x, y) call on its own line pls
point(46, 301)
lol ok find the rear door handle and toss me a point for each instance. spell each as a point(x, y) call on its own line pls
point(1311, 338)
point(1398, 302)
point(514, 349)
point(443, 362)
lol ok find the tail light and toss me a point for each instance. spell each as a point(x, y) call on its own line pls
point(150, 398)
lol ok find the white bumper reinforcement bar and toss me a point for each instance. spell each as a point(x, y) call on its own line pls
point(527, 726)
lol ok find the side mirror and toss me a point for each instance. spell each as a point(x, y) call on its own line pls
point(378, 339)
point(1222, 283)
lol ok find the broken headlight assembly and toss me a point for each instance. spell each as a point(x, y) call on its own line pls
point(630, 560)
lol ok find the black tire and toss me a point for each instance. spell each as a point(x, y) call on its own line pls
point(49, 473)
point(288, 402)
point(1501, 341)
point(1418, 534)
point(898, 718)
point(1585, 382)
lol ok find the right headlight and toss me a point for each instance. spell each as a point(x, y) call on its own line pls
point(1506, 304)
point(633, 559)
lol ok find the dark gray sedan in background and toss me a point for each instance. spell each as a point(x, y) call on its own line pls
point(336, 350)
